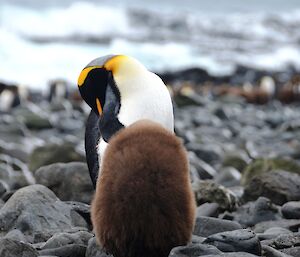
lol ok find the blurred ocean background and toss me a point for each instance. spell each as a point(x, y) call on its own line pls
point(43, 40)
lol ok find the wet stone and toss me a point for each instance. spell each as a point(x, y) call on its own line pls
point(252, 213)
point(206, 226)
point(243, 240)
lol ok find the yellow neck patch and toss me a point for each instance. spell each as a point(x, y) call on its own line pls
point(114, 63)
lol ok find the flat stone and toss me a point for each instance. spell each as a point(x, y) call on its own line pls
point(242, 240)
point(206, 226)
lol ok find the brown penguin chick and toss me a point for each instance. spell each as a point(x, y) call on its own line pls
point(144, 204)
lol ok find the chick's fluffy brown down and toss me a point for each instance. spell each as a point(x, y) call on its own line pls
point(144, 205)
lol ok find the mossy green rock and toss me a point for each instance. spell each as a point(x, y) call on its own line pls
point(261, 166)
point(36, 122)
point(235, 161)
point(53, 153)
point(209, 191)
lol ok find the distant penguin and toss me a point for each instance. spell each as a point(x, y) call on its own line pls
point(290, 92)
point(10, 97)
point(144, 204)
point(120, 91)
point(58, 91)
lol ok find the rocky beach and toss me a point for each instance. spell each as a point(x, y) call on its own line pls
point(244, 167)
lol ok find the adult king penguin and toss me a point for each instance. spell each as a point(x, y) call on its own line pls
point(120, 91)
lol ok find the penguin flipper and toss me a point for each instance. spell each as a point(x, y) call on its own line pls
point(92, 135)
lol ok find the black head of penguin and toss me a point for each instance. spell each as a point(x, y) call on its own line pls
point(94, 81)
point(99, 90)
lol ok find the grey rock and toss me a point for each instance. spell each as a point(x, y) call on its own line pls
point(53, 153)
point(294, 251)
point(228, 177)
point(291, 210)
point(3, 188)
point(237, 254)
point(208, 153)
point(271, 252)
point(273, 233)
point(279, 186)
point(292, 225)
point(237, 160)
point(1, 203)
point(16, 235)
point(35, 121)
point(206, 226)
point(82, 208)
point(11, 248)
point(204, 170)
point(252, 213)
point(7, 195)
point(69, 250)
point(69, 181)
point(242, 240)
point(61, 239)
point(208, 209)
point(286, 241)
point(16, 150)
point(38, 214)
point(193, 250)
point(209, 191)
point(94, 250)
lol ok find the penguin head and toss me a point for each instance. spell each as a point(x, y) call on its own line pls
point(111, 73)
